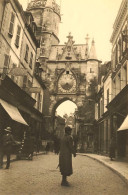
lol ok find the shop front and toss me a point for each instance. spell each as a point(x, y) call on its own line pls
point(118, 111)
point(17, 110)
point(11, 117)
point(123, 135)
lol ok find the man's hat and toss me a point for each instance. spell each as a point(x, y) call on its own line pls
point(8, 129)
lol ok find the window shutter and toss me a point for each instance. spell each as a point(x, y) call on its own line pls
point(107, 96)
point(12, 24)
point(31, 60)
point(18, 36)
point(40, 102)
point(12, 76)
point(6, 64)
point(26, 54)
point(29, 83)
point(25, 79)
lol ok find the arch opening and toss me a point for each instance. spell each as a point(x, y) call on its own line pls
point(64, 112)
point(66, 108)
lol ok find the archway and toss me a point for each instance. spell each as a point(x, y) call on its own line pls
point(67, 101)
point(67, 107)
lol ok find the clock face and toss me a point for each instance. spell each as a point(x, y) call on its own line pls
point(67, 83)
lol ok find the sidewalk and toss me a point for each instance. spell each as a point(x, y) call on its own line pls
point(119, 167)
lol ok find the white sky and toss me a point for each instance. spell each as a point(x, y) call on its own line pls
point(66, 107)
point(93, 17)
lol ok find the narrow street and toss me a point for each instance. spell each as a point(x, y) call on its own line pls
point(41, 176)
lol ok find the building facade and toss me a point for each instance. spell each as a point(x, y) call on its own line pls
point(20, 87)
point(113, 108)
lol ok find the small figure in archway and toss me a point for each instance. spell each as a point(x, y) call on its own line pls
point(56, 145)
point(112, 148)
point(47, 147)
point(65, 156)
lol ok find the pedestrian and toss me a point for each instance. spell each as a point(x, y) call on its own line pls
point(47, 148)
point(56, 145)
point(112, 148)
point(8, 142)
point(65, 156)
point(31, 147)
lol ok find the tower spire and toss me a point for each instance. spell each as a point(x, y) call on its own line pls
point(92, 54)
point(87, 47)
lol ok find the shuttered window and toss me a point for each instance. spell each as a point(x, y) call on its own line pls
point(40, 102)
point(107, 96)
point(11, 27)
point(25, 80)
point(29, 83)
point(26, 53)
point(18, 36)
point(12, 76)
point(6, 64)
point(31, 60)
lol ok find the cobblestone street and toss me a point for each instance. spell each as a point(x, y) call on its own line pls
point(40, 176)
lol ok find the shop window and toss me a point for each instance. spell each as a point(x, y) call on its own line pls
point(18, 36)
point(11, 27)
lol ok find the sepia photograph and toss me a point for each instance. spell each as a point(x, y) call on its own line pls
point(63, 97)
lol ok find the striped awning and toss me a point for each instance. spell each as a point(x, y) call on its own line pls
point(13, 112)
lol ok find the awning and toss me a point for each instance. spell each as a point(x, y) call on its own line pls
point(124, 125)
point(13, 112)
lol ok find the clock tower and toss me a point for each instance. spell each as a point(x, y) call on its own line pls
point(69, 70)
point(47, 17)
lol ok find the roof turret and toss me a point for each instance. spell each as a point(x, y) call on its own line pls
point(92, 54)
point(34, 4)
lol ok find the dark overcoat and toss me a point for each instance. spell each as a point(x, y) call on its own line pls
point(65, 155)
point(112, 149)
point(8, 142)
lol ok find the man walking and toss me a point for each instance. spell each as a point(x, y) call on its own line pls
point(65, 156)
point(8, 141)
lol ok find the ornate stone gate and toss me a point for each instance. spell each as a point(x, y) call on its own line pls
point(70, 70)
